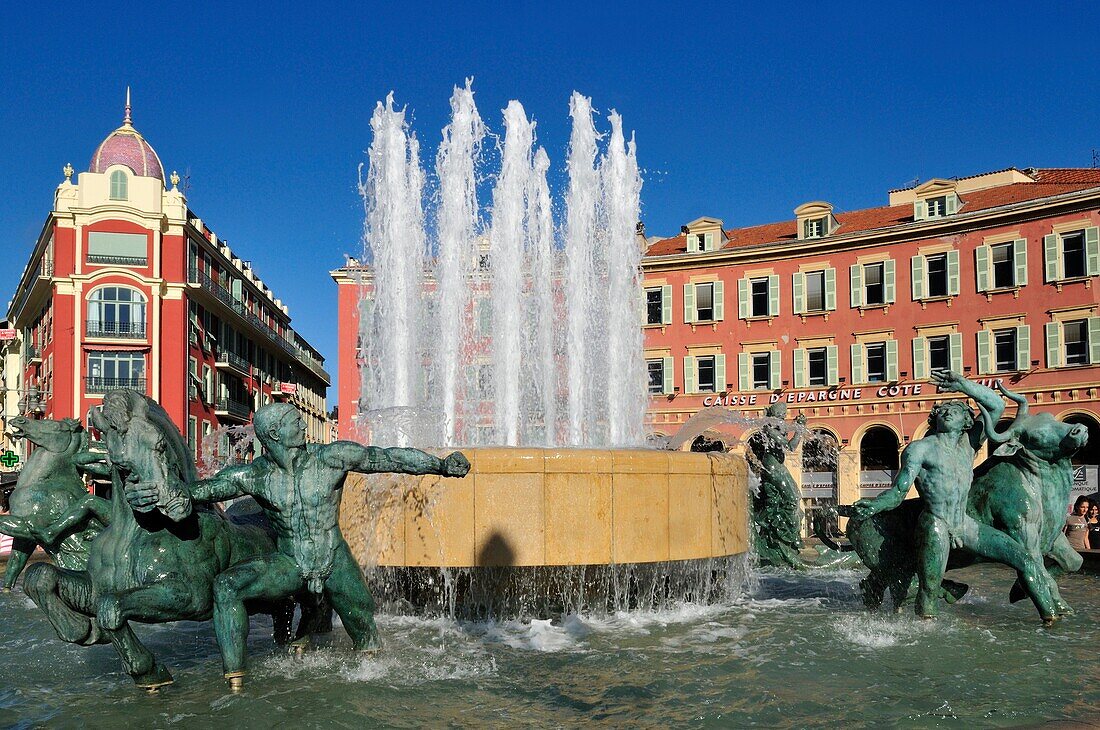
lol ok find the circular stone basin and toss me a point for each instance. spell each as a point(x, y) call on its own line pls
point(551, 507)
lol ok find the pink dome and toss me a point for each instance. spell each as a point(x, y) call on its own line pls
point(126, 146)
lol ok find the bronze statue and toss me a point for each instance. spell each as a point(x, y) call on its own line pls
point(775, 513)
point(299, 487)
point(50, 484)
point(940, 465)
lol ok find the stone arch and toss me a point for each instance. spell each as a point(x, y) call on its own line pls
point(1090, 454)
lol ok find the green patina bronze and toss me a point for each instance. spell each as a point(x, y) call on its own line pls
point(1009, 510)
point(155, 564)
point(49, 486)
point(298, 486)
point(775, 513)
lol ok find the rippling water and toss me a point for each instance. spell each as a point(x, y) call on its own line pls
point(799, 651)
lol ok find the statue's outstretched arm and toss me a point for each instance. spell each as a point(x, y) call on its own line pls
point(895, 495)
point(181, 498)
point(350, 456)
point(92, 462)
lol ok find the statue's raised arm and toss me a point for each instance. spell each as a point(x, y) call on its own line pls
point(948, 381)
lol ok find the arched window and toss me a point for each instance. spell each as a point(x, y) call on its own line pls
point(878, 461)
point(111, 370)
point(119, 184)
point(116, 311)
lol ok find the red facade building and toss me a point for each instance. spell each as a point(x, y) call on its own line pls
point(843, 315)
point(127, 288)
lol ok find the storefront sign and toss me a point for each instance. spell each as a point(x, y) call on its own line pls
point(1085, 483)
point(815, 396)
point(7, 335)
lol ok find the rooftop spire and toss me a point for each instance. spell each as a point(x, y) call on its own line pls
point(126, 116)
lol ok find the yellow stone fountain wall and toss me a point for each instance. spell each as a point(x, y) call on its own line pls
point(527, 507)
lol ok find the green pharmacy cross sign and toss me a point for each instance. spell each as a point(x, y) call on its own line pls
point(9, 459)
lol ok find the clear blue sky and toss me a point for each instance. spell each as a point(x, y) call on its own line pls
point(741, 111)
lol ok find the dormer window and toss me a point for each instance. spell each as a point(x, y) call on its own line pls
point(937, 207)
point(936, 199)
point(815, 220)
point(703, 235)
point(700, 242)
point(119, 185)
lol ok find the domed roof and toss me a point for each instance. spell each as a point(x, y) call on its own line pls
point(126, 146)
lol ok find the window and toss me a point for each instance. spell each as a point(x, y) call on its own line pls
point(813, 228)
point(656, 372)
point(1073, 255)
point(759, 302)
point(1003, 267)
point(111, 370)
point(937, 275)
point(697, 242)
point(876, 363)
point(761, 370)
point(1004, 350)
point(118, 185)
point(116, 311)
point(704, 302)
point(1076, 334)
point(815, 291)
point(874, 285)
point(817, 362)
point(937, 207)
point(939, 353)
point(705, 374)
point(122, 249)
point(653, 306)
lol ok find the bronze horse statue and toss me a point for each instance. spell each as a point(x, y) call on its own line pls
point(150, 566)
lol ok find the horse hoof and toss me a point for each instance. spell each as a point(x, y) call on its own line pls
point(155, 679)
point(1048, 621)
point(236, 681)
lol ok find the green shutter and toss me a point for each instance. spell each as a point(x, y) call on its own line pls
point(689, 374)
point(668, 368)
point(773, 295)
point(689, 303)
point(832, 365)
point(981, 266)
point(920, 210)
point(1094, 340)
point(856, 279)
point(857, 363)
point(776, 375)
point(666, 304)
point(1054, 343)
point(956, 343)
point(953, 273)
point(1019, 256)
point(709, 242)
point(920, 358)
point(692, 243)
point(719, 373)
point(985, 346)
point(1023, 347)
point(1051, 260)
point(798, 290)
point(920, 289)
point(891, 360)
point(743, 382)
point(800, 368)
point(830, 289)
point(889, 280)
point(952, 204)
point(719, 299)
point(1092, 251)
point(743, 298)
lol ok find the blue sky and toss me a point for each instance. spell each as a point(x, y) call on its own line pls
point(741, 111)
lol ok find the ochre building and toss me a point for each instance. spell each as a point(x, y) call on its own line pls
point(844, 315)
point(128, 288)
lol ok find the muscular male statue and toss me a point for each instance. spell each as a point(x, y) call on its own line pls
point(299, 487)
point(941, 465)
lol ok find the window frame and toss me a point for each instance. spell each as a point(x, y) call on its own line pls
point(1008, 264)
point(820, 275)
point(942, 275)
point(765, 296)
point(869, 375)
point(709, 286)
point(757, 360)
point(821, 353)
point(649, 363)
point(119, 185)
point(649, 291)
point(1081, 358)
point(880, 266)
point(1078, 235)
point(712, 363)
point(1009, 335)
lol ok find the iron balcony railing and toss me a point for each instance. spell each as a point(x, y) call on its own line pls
point(94, 384)
point(234, 360)
point(128, 330)
point(223, 295)
point(233, 408)
point(95, 258)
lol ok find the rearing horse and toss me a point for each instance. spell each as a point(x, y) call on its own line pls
point(152, 566)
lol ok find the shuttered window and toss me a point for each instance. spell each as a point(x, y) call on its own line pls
point(1071, 255)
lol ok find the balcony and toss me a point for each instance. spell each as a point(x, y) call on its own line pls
point(120, 330)
point(42, 274)
point(227, 407)
point(31, 354)
point(225, 360)
point(94, 384)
